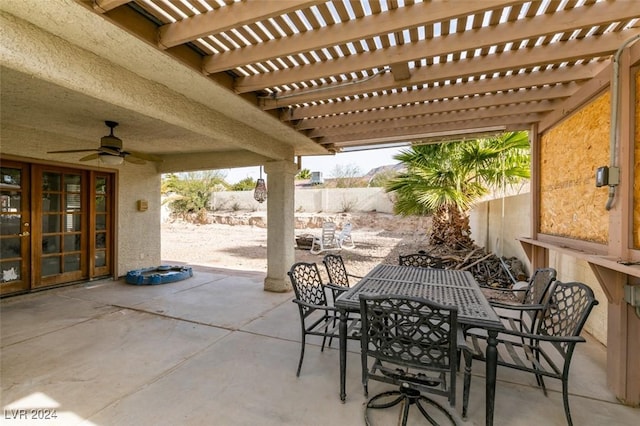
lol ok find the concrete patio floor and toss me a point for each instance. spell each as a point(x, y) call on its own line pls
point(217, 350)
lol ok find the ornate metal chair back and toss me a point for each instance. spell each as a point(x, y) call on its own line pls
point(422, 260)
point(567, 311)
point(413, 342)
point(307, 284)
point(336, 270)
point(539, 286)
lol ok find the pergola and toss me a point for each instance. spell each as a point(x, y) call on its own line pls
point(352, 73)
point(208, 84)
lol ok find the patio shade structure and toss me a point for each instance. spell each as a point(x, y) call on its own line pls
point(352, 73)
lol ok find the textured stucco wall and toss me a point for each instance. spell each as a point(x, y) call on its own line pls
point(138, 239)
point(139, 236)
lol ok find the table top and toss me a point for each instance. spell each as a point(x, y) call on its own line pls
point(444, 286)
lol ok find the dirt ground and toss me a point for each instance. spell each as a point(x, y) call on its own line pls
point(241, 242)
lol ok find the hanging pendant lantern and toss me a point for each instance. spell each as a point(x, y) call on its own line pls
point(260, 193)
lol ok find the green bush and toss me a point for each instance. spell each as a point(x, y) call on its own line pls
point(189, 194)
point(303, 174)
point(246, 184)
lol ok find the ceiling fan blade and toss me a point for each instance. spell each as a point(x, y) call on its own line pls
point(148, 157)
point(72, 150)
point(90, 157)
point(134, 160)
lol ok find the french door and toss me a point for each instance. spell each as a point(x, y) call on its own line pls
point(60, 226)
point(15, 227)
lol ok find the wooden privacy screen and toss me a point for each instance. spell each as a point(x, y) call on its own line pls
point(570, 204)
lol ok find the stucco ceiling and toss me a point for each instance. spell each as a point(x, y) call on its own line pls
point(34, 103)
point(65, 70)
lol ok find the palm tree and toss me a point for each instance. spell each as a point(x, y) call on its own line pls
point(447, 179)
point(304, 174)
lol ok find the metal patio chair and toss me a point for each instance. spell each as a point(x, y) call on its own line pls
point(556, 334)
point(522, 316)
point(421, 259)
point(413, 343)
point(317, 317)
point(327, 239)
point(336, 271)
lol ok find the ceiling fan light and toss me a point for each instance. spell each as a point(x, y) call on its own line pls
point(111, 160)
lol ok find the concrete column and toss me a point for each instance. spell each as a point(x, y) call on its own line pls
point(280, 224)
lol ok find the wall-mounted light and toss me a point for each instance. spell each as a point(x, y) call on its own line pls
point(260, 193)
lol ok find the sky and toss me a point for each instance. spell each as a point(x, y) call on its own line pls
point(364, 160)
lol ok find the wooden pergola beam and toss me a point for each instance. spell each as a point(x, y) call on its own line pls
point(529, 28)
point(560, 52)
point(225, 19)
point(351, 31)
point(543, 98)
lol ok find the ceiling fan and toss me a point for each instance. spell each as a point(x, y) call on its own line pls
point(111, 152)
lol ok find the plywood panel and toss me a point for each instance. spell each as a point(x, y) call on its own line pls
point(570, 204)
point(636, 169)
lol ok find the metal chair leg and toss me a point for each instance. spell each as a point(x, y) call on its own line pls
point(467, 384)
point(301, 355)
point(407, 397)
point(565, 399)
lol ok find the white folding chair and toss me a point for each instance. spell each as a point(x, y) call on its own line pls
point(344, 237)
point(327, 240)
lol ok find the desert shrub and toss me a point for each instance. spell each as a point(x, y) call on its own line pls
point(188, 194)
point(246, 184)
point(347, 204)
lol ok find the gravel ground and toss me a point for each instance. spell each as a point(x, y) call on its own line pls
point(379, 238)
point(233, 244)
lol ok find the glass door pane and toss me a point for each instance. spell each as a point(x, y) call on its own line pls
point(102, 227)
point(14, 228)
point(63, 227)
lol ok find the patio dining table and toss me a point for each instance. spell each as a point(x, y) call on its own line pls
point(450, 287)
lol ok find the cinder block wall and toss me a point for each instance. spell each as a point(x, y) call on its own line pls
point(496, 224)
point(311, 200)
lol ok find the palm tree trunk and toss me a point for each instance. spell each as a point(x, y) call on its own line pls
point(450, 226)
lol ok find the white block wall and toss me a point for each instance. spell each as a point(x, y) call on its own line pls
point(311, 200)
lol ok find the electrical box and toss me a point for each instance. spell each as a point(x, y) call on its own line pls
point(143, 205)
point(602, 176)
point(614, 176)
point(607, 176)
